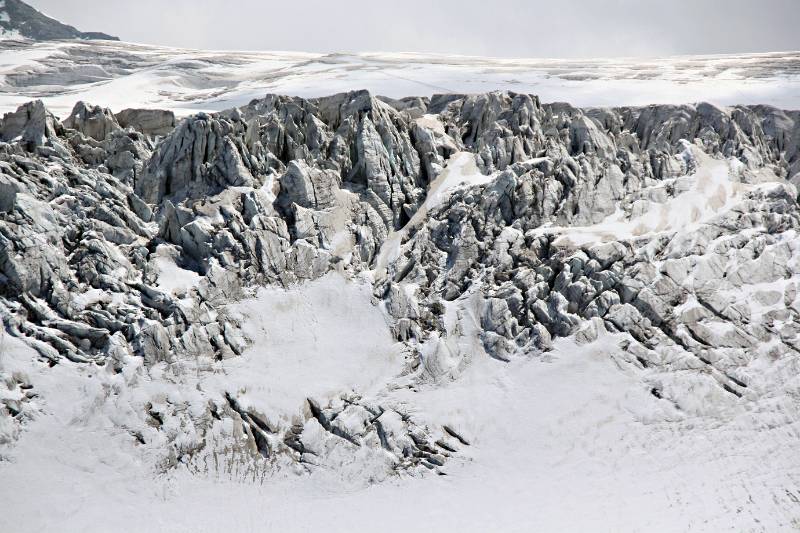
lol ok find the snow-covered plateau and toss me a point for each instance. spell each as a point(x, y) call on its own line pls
point(124, 75)
point(471, 309)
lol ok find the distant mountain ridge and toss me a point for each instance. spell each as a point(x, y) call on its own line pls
point(20, 20)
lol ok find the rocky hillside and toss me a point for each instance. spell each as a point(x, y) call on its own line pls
point(486, 226)
point(19, 20)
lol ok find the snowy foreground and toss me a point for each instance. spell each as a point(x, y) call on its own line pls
point(125, 75)
point(566, 442)
point(579, 446)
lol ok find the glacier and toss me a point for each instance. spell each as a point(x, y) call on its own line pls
point(279, 291)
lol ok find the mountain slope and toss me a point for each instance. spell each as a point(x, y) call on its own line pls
point(337, 306)
point(20, 20)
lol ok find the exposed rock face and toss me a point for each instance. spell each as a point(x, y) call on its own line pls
point(92, 121)
point(702, 204)
point(32, 125)
point(21, 20)
point(367, 142)
point(153, 122)
point(201, 158)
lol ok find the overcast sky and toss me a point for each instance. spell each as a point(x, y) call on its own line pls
point(510, 28)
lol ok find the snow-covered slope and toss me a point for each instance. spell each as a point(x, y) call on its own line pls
point(122, 75)
point(567, 443)
point(348, 313)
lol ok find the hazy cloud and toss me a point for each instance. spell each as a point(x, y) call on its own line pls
point(511, 28)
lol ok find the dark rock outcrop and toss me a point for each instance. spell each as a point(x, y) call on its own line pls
point(25, 21)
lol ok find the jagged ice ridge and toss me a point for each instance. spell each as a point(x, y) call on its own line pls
point(353, 288)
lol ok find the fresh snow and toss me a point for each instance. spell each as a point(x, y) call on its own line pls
point(461, 170)
point(572, 442)
point(314, 340)
point(171, 277)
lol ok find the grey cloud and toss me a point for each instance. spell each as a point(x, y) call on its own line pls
point(511, 28)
